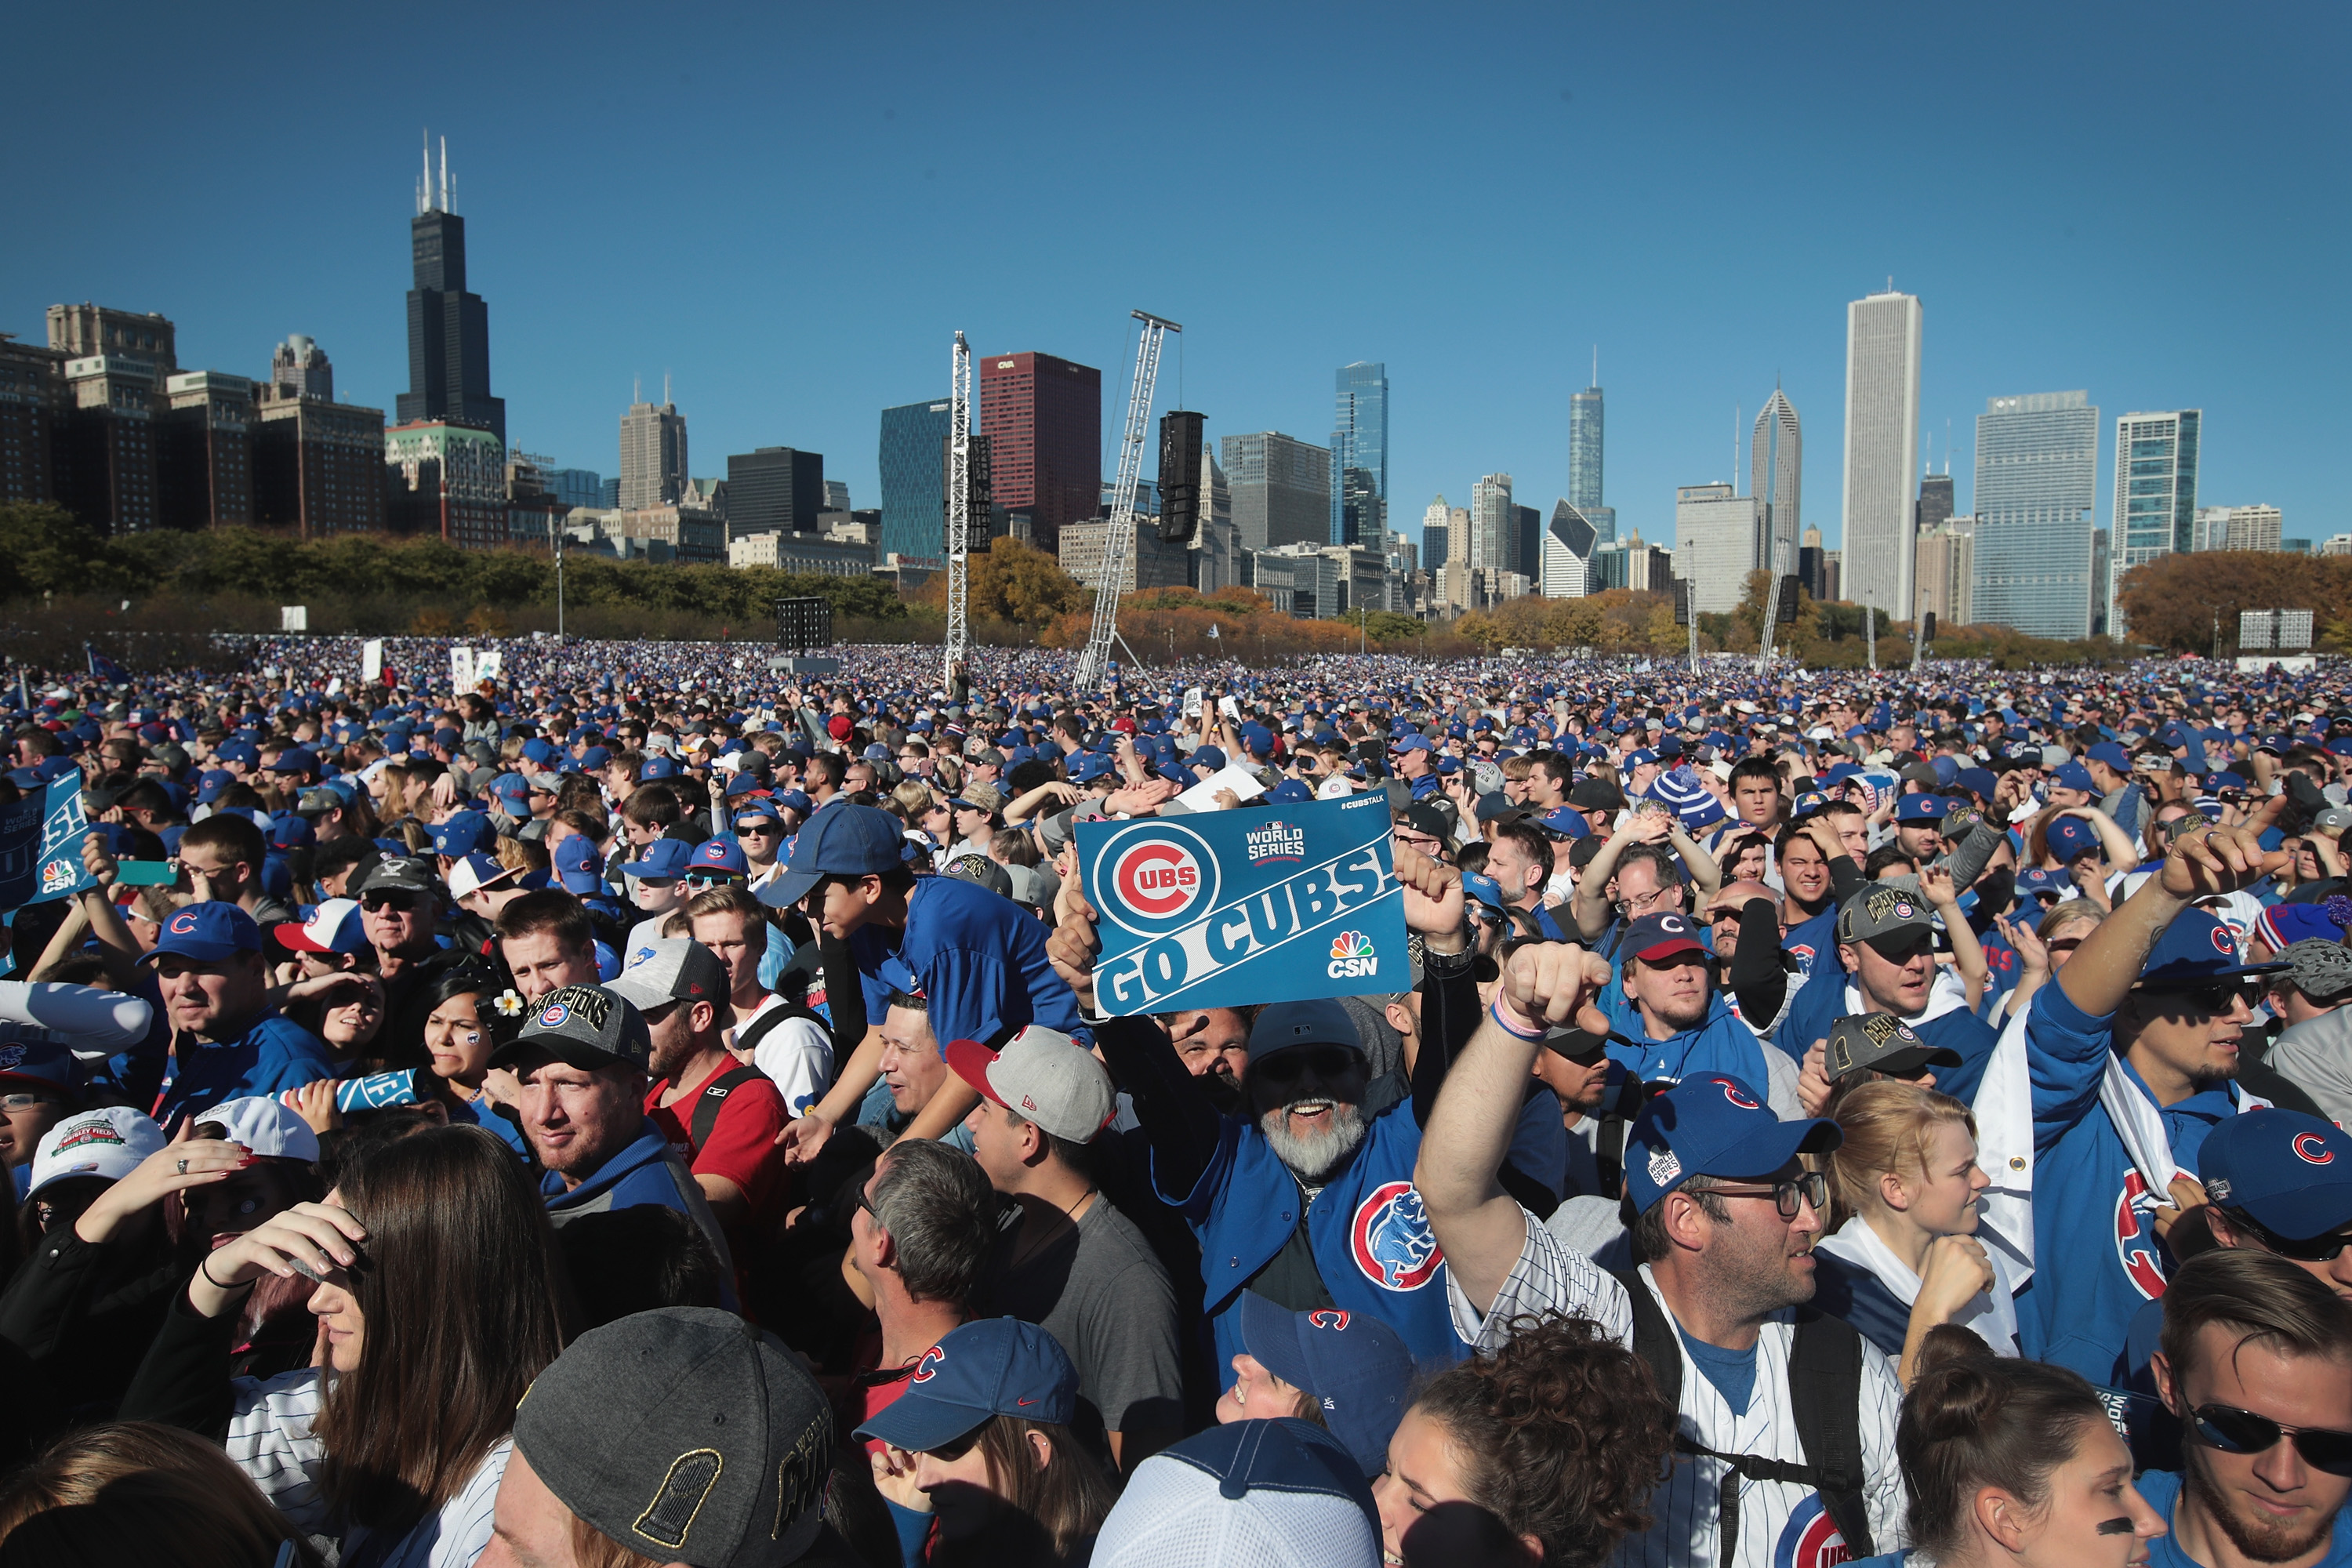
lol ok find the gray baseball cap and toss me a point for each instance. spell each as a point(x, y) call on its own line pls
point(1044, 1076)
point(2320, 969)
point(981, 871)
point(674, 969)
point(585, 1026)
point(1890, 918)
point(688, 1436)
point(1881, 1042)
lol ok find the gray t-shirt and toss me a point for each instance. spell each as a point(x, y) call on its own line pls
point(2315, 1056)
point(1101, 1292)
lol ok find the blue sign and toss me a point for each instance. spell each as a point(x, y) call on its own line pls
point(40, 844)
point(1228, 908)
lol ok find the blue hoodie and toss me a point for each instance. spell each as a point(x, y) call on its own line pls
point(645, 1173)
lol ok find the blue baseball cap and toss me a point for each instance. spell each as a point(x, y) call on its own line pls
point(1661, 936)
point(1414, 742)
point(1565, 822)
point(719, 856)
point(843, 840)
point(665, 859)
point(2071, 836)
point(761, 809)
point(2074, 776)
point(207, 932)
point(295, 760)
point(2291, 1173)
point(1207, 757)
point(2112, 754)
point(996, 1367)
point(1921, 808)
point(1714, 1125)
point(46, 1063)
point(2037, 880)
point(1355, 1367)
point(657, 768)
point(462, 833)
point(1289, 792)
point(1318, 1023)
point(579, 867)
point(795, 800)
point(2194, 949)
point(513, 789)
point(1089, 766)
point(1479, 888)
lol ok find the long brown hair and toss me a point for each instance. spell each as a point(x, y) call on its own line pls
point(1067, 1498)
point(137, 1491)
point(459, 1290)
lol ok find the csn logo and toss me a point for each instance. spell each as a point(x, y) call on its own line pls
point(1351, 956)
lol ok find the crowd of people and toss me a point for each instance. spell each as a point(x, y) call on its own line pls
point(649, 1109)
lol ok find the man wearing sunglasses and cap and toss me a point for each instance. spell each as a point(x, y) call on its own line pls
point(1770, 1467)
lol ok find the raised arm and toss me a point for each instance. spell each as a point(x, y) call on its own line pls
point(2201, 863)
point(1589, 906)
point(1703, 868)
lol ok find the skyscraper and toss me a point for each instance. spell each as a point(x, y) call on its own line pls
point(448, 327)
point(2155, 494)
point(1359, 455)
point(1281, 488)
point(1934, 506)
point(1882, 449)
point(1490, 524)
point(299, 367)
point(2036, 484)
point(1777, 478)
point(914, 483)
point(1718, 539)
point(1043, 418)
point(1436, 534)
point(1568, 546)
point(774, 490)
point(1527, 548)
point(653, 455)
point(1584, 433)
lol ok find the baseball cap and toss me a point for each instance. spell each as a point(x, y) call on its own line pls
point(1714, 1125)
point(1355, 1367)
point(585, 1026)
point(1282, 1025)
point(2039, 880)
point(462, 833)
point(335, 926)
point(2074, 776)
point(270, 1128)
point(476, 871)
point(1921, 808)
point(45, 1063)
point(2071, 836)
point(2320, 968)
point(980, 871)
point(995, 1366)
point(1890, 920)
point(579, 867)
point(718, 857)
point(400, 874)
point(2291, 1172)
point(1596, 794)
point(2196, 949)
point(207, 932)
point(1481, 889)
point(1881, 1042)
point(842, 840)
point(295, 760)
point(688, 1436)
point(1660, 936)
point(1289, 792)
point(1576, 1044)
point(1274, 1494)
point(1034, 886)
point(1044, 1076)
point(665, 859)
point(107, 1142)
point(1564, 822)
point(674, 969)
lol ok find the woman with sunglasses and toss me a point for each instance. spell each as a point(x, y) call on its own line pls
point(978, 1464)
point(2013, 1464)
point(438, 1292)
point(2043, 945)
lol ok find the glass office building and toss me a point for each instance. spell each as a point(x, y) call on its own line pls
point(2155, 494)
point(1359, 455)
point(2037, 478)
point(914, 479)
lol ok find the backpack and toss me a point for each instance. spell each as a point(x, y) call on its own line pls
point(713, 1099)
point(1824, 1387)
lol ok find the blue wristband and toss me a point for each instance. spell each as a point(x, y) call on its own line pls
point(1495, 1011)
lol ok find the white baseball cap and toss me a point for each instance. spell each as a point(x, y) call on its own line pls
point(271, 1129)
point(108, 1142)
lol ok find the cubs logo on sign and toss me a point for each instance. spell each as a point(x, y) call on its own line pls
point(2312, 1149)
point(1811, 1539)
point(1328, 1318)
point(1390, 1237)
point(2135, 1238)
point(1161, 878)
point(928, 1368)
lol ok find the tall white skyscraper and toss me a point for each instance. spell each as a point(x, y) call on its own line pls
point(1719, 540)
point(1490, 524)
point(2155, 494)
point(1882, 449)
point(653, 456)
point(1777, 478)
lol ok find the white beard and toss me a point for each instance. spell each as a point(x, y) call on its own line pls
point(1314, 1159)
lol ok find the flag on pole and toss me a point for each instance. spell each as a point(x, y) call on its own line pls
point(104, 669)
point(1214, 635)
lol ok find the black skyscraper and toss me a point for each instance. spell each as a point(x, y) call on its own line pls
point(448, 327)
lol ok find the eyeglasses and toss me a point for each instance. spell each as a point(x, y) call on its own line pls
point(1639, 903)
point(376, 902)
point(2313, 1249)
point(2236, 1431)
point(1789, 1196)
point(710, 879)
point(22, 1101)
point(2219, 997)
point(1287, 1066)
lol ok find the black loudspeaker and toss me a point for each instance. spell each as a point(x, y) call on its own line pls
point(1180, 476)
point(1682, 603)
point(804, 624)
point(1784, 605)
point(1927, 629)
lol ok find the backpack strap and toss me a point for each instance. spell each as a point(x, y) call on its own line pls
point(1826, 1387)
point(713, 1099)
point(745, 1039)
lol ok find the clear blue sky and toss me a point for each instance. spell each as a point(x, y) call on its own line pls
point(791, 209)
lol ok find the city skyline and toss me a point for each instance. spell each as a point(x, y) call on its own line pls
point(795, 322)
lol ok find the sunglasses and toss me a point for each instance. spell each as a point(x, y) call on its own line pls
point(2313, 1249)
point(2063, 944)
point(2236, 1431)
point(1287, 1066)
point(373, 902)
point(1790, 1196)
point(2219, 997)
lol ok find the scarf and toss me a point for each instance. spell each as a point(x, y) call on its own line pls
point(1990, 1315)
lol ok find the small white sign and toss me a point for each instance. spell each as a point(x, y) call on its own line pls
point(461, 669)
point(293, 617)
point(371, 660)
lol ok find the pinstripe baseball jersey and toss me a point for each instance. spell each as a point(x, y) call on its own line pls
point(1781, 1524)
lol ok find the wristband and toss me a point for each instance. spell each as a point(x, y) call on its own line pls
point(203, 1266)
point(1495, 1011)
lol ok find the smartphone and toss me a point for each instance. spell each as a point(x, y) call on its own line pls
point(146, 873)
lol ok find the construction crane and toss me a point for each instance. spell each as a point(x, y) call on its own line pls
point(1771, 613)
point(1094, 663)
point(958, 538)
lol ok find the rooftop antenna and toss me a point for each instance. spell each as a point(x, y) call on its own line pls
point(1735, 412)
point(1596, 365)
point(636, 389)
point(1948, 448)
point(444, 174)
point(665, 389)
point(424, 182)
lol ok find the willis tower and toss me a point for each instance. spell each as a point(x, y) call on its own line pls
point(448, 329)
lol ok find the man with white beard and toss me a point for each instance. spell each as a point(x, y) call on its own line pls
point(1305, 1196)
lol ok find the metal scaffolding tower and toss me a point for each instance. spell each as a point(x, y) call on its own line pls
point(1094, 663)
point(959, 534)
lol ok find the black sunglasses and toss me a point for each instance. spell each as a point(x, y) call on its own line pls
point(2313, 1249)
point(374, 902)
point(1285, 1066)
point(2236, 1431)
point(2218, 997)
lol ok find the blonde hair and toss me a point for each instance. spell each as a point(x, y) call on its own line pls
point(1889, 1126)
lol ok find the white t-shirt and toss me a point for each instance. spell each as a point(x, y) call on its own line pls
point(795, 1053)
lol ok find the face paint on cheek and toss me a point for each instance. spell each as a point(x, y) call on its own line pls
point(2114, 1527)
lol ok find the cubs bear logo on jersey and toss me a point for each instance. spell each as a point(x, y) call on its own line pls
point(1811, 1539)
point(2135, 1238)
point(1391, 1240)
